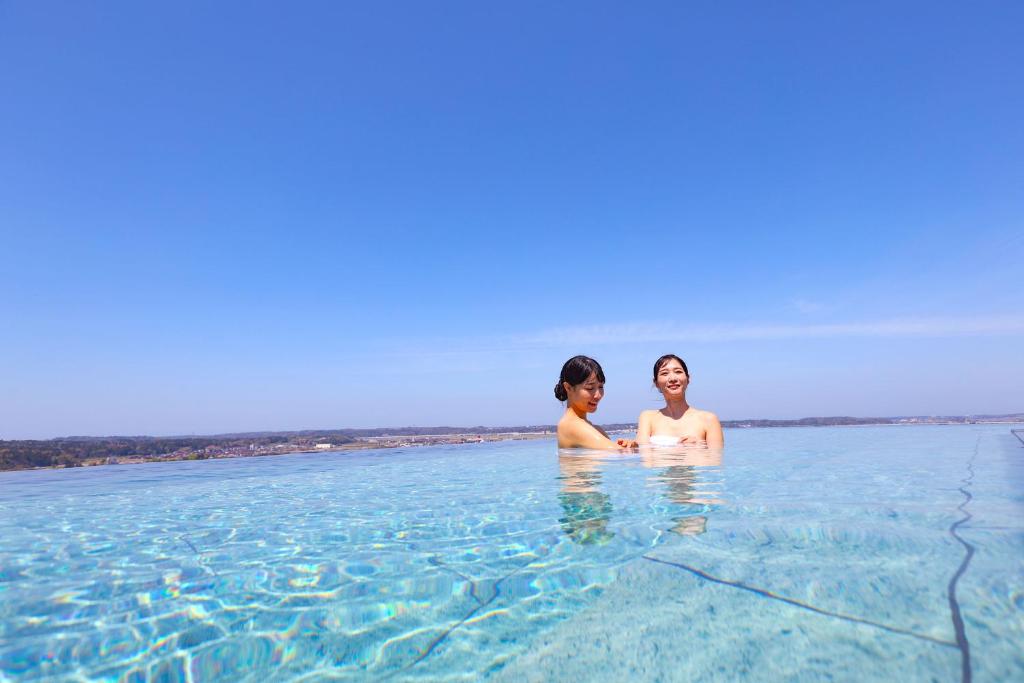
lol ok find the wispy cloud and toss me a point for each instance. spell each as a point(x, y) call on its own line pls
point(474, 354)
point(806, 306)
point(677, 332)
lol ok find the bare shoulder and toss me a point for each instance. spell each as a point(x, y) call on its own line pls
point(567, 425)
point(648, 414)
point(707, 416)
point(574, 426)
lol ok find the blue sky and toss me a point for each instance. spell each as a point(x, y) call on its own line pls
point(227, 216)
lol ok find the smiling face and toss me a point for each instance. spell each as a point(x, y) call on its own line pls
point(585, 396)
point(671, 379)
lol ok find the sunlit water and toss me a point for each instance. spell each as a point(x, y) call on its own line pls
point(812, 554)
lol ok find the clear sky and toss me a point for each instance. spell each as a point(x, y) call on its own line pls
point(226, 216)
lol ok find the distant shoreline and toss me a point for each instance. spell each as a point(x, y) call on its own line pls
point(73, 451)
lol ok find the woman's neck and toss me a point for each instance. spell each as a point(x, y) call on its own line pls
point(580, 413)
point(675, 408)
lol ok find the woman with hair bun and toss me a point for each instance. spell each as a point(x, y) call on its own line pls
point(678, 422)
point(581, 387)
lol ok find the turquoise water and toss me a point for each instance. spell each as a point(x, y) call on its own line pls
point(811, 554)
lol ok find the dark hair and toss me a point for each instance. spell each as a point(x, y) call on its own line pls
point(576, 371)
point(666, 358)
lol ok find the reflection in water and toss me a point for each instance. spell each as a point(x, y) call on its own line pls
point(587, 510)
point(687, 475)
point(679, 473)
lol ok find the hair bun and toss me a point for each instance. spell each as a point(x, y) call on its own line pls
point(576, 371)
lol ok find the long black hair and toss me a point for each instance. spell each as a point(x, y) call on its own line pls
point(576, 371)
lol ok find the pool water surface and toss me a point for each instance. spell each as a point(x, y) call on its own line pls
point(864, 553)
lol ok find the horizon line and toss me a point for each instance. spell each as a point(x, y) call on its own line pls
point(470, 429)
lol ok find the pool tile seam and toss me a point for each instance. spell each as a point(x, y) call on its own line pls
point(954, 604)
point(434, 560)
point(797, 603)
point(429, 650)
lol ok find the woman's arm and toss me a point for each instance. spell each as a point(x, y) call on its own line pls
point(713, 432)
point(585, 435)
point(643, 428)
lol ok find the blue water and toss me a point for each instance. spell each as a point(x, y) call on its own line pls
point(812, 554)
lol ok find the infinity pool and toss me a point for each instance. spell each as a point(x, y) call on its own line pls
point(812, 554)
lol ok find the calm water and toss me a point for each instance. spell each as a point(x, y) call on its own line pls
point(813, 554)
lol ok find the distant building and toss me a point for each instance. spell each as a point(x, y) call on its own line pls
point(323, 446)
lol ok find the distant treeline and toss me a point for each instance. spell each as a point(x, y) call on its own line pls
point(849, 421)
point(406, 431)
point(73, 451)
point(813, 422)
point(838, 421)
